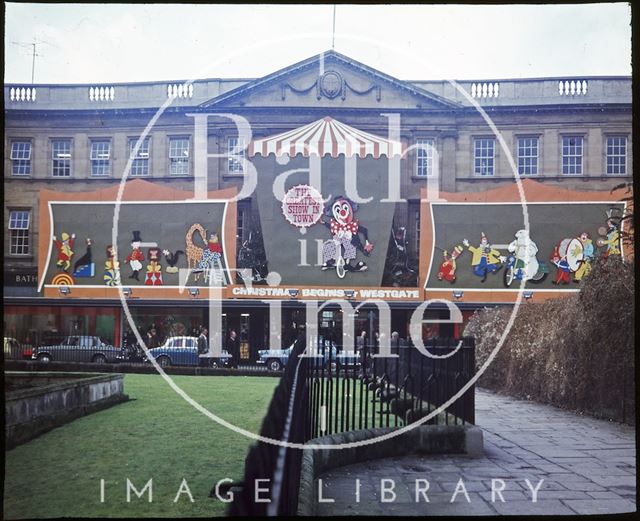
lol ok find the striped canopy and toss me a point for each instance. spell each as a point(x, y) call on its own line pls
point(322, 137)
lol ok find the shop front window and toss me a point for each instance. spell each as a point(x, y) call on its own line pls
point(167, 322)
point(46, 325)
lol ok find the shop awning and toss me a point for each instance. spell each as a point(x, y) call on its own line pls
point(325, 136)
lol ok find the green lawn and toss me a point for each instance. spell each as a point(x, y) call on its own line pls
point(156, 435)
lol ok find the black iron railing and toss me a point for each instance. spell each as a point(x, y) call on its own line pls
point(272, 466)
point(359, 389)
point(343, 390)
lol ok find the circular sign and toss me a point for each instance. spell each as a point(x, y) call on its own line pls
point(302, 206)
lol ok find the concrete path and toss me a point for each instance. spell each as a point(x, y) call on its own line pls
point(588, 467)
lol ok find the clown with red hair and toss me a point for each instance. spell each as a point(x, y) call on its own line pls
point(345, 230)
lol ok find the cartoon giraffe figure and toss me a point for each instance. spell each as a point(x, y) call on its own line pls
point(195, 253)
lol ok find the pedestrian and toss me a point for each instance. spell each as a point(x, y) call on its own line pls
point(152, 339)
point(361, 343)
point(234, 348)
point(203, 343)
point(374, 349)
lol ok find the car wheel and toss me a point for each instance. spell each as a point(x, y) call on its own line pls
point(213, 364)
point(99, 359)
point(274, 365)
point(164, 361)
point(44, 358)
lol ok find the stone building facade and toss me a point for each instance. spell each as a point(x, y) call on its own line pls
point(566, 133)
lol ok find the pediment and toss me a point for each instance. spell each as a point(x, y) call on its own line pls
point(330, 80)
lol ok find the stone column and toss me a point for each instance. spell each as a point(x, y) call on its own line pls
point(551, 161)
point(447, 151)
point(593, 160)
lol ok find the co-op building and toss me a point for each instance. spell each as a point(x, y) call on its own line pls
point(425, 168)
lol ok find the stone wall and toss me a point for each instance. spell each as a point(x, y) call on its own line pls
point(38, 402)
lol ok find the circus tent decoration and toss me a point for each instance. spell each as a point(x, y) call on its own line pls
point(326, 136)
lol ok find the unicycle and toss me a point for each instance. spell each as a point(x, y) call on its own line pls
point(340, 271)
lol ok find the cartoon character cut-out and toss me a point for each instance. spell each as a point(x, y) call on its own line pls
point(212, 254)
point(587, 257)
point(345, 230)
point(561, 263)
point(111, 274)
point(211, 261)
point(84, 266)
point(194, 252)
point(154, 269)
point(448, 267)
point(172, 260)
point(135, 258)
point(524, 251)
point(65, 250)
point(610, 236)
point(485, 259)
point(522, 263)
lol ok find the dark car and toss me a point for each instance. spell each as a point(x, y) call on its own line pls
point(78, 348)
point(183, 350)
point(276, 359)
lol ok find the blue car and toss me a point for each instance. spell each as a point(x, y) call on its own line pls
point(183, 350)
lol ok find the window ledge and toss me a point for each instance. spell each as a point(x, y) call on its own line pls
point(13, 258)
point(541, 177)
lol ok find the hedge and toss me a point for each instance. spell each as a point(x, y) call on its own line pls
point(575, 352)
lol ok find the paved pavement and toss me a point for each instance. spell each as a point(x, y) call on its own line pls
point(588, 467)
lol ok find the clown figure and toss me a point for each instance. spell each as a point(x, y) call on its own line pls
point(65, 250)
point(345, 230)
point(212, 254)
point(448, 267)
point(611, 235)
point(485, 258)
point(587, 252)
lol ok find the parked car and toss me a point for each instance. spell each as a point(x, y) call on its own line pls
point(348, 357)
point(183, 350)
point(13, 350)
point(78, 348)
point(276, 359)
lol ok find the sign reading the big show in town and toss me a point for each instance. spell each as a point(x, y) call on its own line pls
point(302, 206)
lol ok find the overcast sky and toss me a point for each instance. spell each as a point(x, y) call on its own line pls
point(96, 43)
